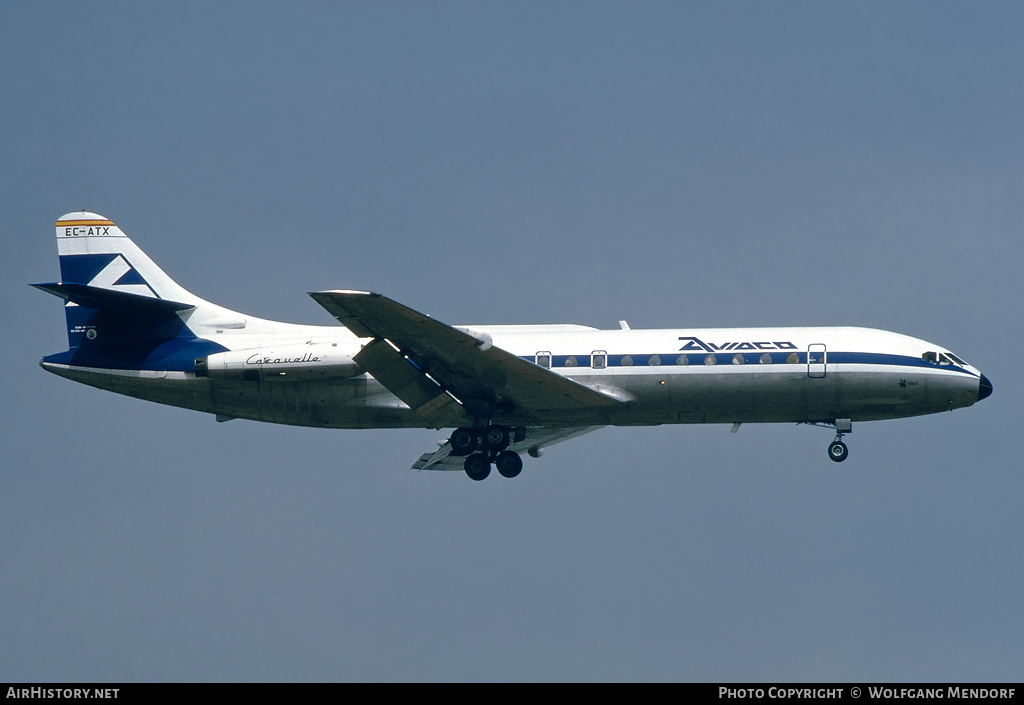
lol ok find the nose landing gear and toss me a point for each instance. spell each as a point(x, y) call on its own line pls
point(837, 450)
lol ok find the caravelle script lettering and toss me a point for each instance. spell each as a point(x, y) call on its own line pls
point(255, 359)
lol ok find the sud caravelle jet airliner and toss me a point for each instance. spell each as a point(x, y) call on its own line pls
point(505, 389)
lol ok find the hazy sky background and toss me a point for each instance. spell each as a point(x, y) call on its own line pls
point(672, 164)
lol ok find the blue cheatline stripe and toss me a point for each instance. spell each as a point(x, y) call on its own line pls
point(726, 357)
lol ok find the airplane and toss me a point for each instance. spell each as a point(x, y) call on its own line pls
point(504, 389)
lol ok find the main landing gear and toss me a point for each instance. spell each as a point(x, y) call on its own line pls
point(482, 448)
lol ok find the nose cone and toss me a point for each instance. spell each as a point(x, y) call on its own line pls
point(984, 388)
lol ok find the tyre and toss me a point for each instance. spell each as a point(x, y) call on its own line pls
point(462, 441)
point(509, 463)
point(496, 438)
point(838, 451)
point(477, 466)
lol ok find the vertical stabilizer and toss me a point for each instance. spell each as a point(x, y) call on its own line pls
point(95, 252)
point(96, 256)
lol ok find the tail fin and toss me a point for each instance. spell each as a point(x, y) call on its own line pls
point(95, 252)
point(114, 292)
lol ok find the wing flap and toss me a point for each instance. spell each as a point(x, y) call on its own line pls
point(405, 381)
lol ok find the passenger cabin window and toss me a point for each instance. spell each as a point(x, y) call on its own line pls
point(544, 359)
point(599, 359)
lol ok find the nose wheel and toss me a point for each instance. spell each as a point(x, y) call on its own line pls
point(838, 451)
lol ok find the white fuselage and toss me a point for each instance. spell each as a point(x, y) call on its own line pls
point(303, 375)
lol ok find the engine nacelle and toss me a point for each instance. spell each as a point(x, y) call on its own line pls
point(281, 363)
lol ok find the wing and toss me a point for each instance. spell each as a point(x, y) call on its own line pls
point(537, 439)
point(450, 377)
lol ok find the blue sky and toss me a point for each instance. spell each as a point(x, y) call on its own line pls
point(671, 164)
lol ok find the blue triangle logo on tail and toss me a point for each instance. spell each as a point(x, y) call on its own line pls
point(106, 271)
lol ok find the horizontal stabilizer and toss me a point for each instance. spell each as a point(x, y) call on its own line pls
point(104, 299)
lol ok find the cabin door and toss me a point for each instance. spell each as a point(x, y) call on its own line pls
point(816, 360)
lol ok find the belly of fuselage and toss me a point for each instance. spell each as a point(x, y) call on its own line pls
point(787, 396)
point(359, 402)
point(702, 396)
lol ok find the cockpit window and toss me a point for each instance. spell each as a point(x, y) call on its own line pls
point(943, 358)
